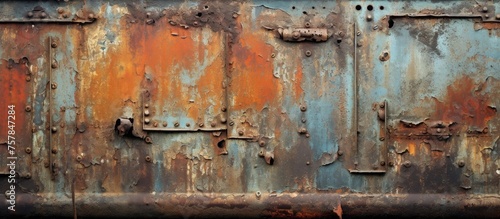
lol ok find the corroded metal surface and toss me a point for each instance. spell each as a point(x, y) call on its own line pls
point(252, 108)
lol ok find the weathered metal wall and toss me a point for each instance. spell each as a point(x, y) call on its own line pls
point(252, 108)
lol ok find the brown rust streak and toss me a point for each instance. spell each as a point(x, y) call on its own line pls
point(465, 104)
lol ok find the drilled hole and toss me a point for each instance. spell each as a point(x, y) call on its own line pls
point(271, 161)
point(199, 14)
point(313, 7)
point(391, 23)
point(339, 40)
point(358, 7)
point(381, 7)
point(304, 12)
point(324, 7)
point(293, 7)
point(206, 6)
point(221, 144)
point(369, 7)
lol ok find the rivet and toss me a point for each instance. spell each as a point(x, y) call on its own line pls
point(164, 124)
point(78, 158)
point(307, 163)
point(155, 124)
point(485, 9)
point(54, 150)
point(223, 109)
point(146, 112)
point(43, 15)
point(28, 78)
point(382, 163)
point(461, 163)
point(213, 124)
point(369, 17)
point(240, 132)
point(53, 85)
point(391, 163)
point(146, 120)
point(28, 108)
point(407, 163)
point(53, 45)
point(201, 124)
point(30, 14)
point(188, 124)
point(381, 138)
point(486, 15)
point(304, 120)
point(28, 150)
point(148, 140)
point(308, 53)
point(54, 129)
point(261, 153)
point(235, 15)
point(340, 153)
point(148, 158)
point(54, 64)
point(303, 130)
point(307, 24)
point(258, 194)
point(374, 166)
point(91, 16)
point(262, 143)
point(146, 105)
point(296, 34)
point(195, 23)
point(303, 108)
point(65, 15)
point(27, 176)
point(60, 10)
point(62, 125)
point(308, 135)
point(148, 14)
point(223, 120)
point(176, 124)
point(497, 16)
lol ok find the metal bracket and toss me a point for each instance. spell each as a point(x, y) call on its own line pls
point(303, 34)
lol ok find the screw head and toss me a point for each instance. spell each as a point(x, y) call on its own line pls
point(148, 158)
point(375, 27)
point(461, 163)
point(258, 194)
point(223, 109)
point(53, 85)
point(303, 108)
point(201, 124)
point(231, 123)
point(176, 124)
point(28, 109)
point(28, 150)
point(273, 55)
point(148, 140)
point(53, 45)
point(78, 158)
point(308, 53)
point(54, 64)
point(381, 138)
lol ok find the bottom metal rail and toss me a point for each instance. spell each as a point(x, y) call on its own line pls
point(310, 205)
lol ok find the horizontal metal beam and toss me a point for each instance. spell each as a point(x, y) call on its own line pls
point(256, 205)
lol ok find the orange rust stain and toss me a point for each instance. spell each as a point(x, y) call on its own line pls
point(464, 104)
point(253, 84)
point(297, 88)
point(411, 148)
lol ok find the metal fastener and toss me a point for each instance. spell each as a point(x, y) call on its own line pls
point(273, 55)
point(308, 53)
point(231, 123)
point(307, 24)
point(391, 163)
point(223, 120)
point(91, 16)
point(308, 135)
point(340, 153)
point(53, 85)
point(374, 166)
point(497, 16)
point(148, 140)
point(28, 150)
point(201, 124)
point(148, 158)
point(303, 108)
point(382, 163)
point(375, 27)
point(407, 163)
point(307, 163)
point(54, 64)
point(381, 138)
point(223, 109)
point(358, 33)
point(261, 153)
point(461, 163)
point(54, 129)
point(304, 120)
point(43, 15)
point(369, 17)
point(258, 194)
point(28, 109)
point(146, 112)
point(164, 124)
point(155, 124)
point(28, 78)
point(188, 124)
point(148, 14)
point(262, 143)
point(60, 10)
point(240, 132)
point(176, 124)
point(78, 158)
point(54, 150)
point(53, 45)
point(27, 176)
point(30, 14)
point(146, 120)
point(146, 105)
point(213, 124)
point(303, 130)
point(485, 9)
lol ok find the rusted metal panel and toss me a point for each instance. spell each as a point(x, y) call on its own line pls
point(254, 108)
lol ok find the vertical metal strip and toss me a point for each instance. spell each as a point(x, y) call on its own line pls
point(51, 164)
point(355, 89)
